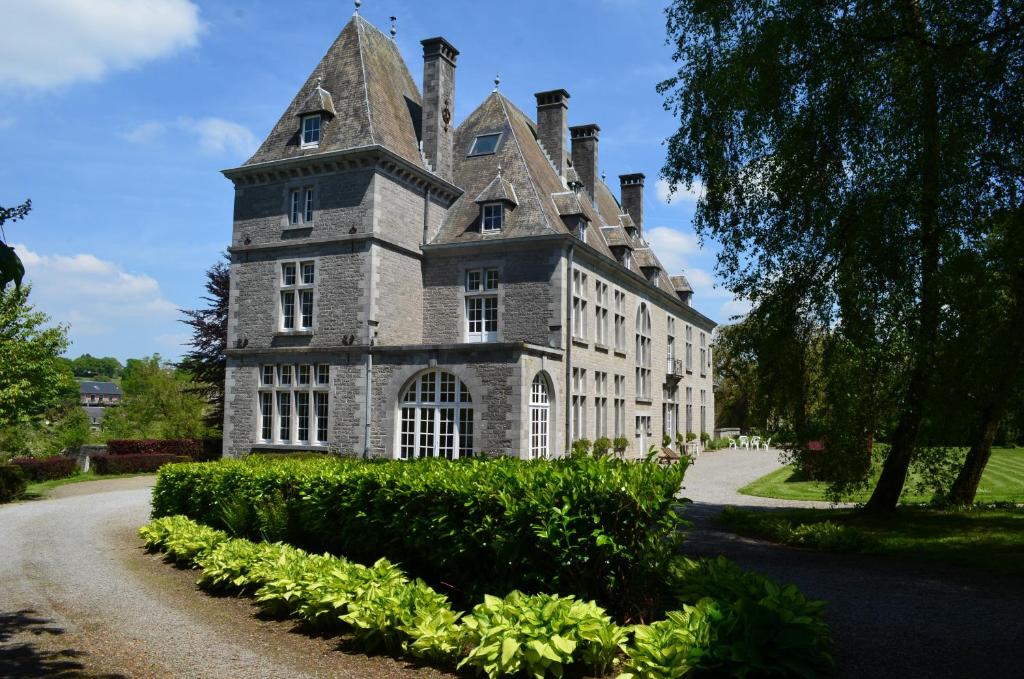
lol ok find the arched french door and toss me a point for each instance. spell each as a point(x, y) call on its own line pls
point(436, 417)
point(540, 418)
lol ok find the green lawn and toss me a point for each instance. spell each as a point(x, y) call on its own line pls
point(982, 539)
point(1003, 482)
point(35, 491)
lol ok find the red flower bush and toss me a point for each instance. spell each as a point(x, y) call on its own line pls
point(46, 468)
point(190, 447)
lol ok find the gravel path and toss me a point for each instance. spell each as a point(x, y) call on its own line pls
point(888, 618)
point(80, 598)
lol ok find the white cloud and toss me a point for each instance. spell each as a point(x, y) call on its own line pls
point(672, 246)
point(94, 296)
point(50, 43)
point(734, 307)
point(217, 135)
point(146, 132)
point(682, 194)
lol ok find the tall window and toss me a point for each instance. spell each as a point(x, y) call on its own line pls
point(600, 404)
point(482, 305)
point(620, 405)
point(703, 355)
point(620, 321)
point(643, 353)
point(311, 131)
point(579, 305)
point(492, 217)
point(703, 411)
point(297, 281)
point(300, 210)
point(601, 313)
point(689, 348)
point(689, 410)
point(540, 418)
point(670, 350)
point(436, 418)
point(293, 403)
point(670, 411)
point(578, 421)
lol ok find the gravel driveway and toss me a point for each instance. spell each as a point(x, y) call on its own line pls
point(80, 598)
point(888, 618)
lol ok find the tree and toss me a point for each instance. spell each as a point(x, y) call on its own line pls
point(850, 152)
point(34, 378)
point(93, 367)
point(207, 361)
point(159, 402)
point(11, 268)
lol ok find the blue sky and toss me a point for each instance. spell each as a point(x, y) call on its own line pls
point(116, 117)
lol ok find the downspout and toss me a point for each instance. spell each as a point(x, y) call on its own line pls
point(568, 350)
point(369, 394)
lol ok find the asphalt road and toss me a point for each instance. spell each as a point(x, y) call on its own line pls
point(888, 618)
point(80, 598)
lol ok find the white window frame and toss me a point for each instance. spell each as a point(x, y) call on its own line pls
point(601, 313)
point(300, 206)
point(476, 139)
point(307, 131)
point(296, 291)
point(600, 404)
point(481, 305)
point(281, 390)
point(620, 321)
point(492, 217)
point(579, 306)
point(435, 417)
point(620, 405)
point(643, 352)
point(578, 417)
point(540, 418)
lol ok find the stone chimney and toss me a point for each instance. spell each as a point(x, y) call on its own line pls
point(439, 104)
point(584, 155)
point(631, 193)
point(552, 126)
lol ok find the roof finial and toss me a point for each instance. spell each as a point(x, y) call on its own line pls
point(499, 169)
point(319, 80)
point(497, 81)
point(604, 177)
point(394, 27)
point(358, 4)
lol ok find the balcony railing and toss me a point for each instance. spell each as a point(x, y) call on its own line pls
point(674, 368)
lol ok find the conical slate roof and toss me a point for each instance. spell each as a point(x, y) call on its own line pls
point(374, 97)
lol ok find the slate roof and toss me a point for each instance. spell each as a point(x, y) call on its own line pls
point(680, 284)
point(361, 60)
point(104, 388)
point(498, 190)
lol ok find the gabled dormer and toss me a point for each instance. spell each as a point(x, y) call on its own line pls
point(494, 200)
point(314, 114)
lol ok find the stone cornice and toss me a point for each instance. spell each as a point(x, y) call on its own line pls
point(462, 347)
point(360, 158)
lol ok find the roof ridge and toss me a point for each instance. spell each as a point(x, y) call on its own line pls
point(359, 22)
point(519, 149)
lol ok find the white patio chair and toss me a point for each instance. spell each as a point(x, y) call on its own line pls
point(755, 442)
point(744, 442)
point(767, 443)
point(732, 442)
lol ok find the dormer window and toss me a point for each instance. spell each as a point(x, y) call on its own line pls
point(492, 217)
point(311, 131)
point(485, 144)
point(627, 259)
point(582, 230)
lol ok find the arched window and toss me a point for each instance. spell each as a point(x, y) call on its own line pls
point(540, 418)
point(643, 352)
point(437, 418)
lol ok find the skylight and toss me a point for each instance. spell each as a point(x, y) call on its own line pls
point(485, 144)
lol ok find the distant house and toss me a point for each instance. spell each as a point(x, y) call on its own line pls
point(96, 397)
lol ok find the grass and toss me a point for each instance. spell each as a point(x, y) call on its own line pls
point(1003, 481)
point(981, 539)
point(35, 491)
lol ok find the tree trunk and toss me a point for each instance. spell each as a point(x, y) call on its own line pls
point(894, 472)
point(966, 485)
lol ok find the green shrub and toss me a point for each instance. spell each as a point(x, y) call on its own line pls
point(673, 647)
point(620, 444)
point(580, 448)
point(690, 436)
point(183, 540)
point(666, 440)
point(680, 439)
point(757, 626)
point(12, 482)
point(598, 528)
point(602, 446)
point(539, 635)
point(825, 535)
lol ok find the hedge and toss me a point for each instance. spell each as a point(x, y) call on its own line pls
point(189, 447)
point(133, 464)
point(38, 469)
point(12, 482)
point(596, 528)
